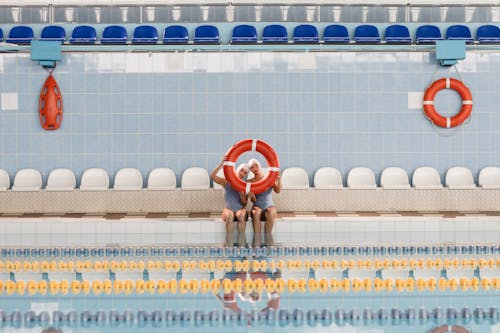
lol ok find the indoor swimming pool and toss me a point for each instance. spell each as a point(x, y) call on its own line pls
point(329, 274)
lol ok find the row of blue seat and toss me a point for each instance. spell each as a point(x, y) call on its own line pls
point(275, 33)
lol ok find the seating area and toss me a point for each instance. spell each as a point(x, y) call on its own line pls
point(248, 34)
point(293, 178)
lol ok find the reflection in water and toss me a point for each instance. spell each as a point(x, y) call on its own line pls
point(260, 300)
point(52, 330)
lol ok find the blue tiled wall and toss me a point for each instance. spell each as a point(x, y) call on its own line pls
point(341, 109)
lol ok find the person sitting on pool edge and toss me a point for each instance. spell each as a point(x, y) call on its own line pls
point(234, 204)
point(263, 206)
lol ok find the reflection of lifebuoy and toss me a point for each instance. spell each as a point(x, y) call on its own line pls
point(431, 112)
point(450, 328)
point(251, 145)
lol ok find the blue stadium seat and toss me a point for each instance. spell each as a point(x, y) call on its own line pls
point(336, 33)
point(274, 33)
point(53, 32)
point(1, 35)
point(20, 35)
point(366, 33)
point(397, 34)
point(459, 32)
point(83, 34)
point(206, 34)
point(428, 34)
point(145, 34)
point(305, 33)
point(175, 34)
point(488, 34)
point(244, 34)
point(114, 34)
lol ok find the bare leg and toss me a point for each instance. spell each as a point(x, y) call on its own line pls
point(228, 218)
point(270, 217)
point(268, 238)
point(241, 217)
point(256, 212)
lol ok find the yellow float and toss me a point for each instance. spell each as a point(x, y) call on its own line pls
point(204, 286)
point(42, 287)
point(128, 287)
point(323, 285)
point(107, 287)
point(474, 284)
point(345, 284)
point(75, 287)
point(420, 283)
point(442, 284)
point(378, 284)
point(357, 285)
point(140, 286)
point(334, 285)
point(31, 286)
point(150, 287)
point(20, 287)
point(312, 285)
point(97, 287)
point(54, 287)
point(117, 287)
point(162, 287)
point(10, 287)
point(215, 286)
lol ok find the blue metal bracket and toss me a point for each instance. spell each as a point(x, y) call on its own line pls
point(47, 52)
point(145, 275)
point(448, 52)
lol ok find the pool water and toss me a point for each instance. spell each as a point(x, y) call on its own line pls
point(313, 274)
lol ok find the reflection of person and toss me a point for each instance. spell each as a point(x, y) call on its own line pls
point(263, 206)
point(52, 330)
point(234, 204)
point(234, 300)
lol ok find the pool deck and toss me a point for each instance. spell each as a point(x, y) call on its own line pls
point(281, 215)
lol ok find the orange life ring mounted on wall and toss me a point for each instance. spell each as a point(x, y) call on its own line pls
point(251, 145)
point(450, 328)
point(434, 116)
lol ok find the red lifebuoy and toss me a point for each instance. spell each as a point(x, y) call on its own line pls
point(434, 116)
point(450, 328)
point(251, 145)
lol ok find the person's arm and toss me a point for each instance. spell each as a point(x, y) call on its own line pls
point(252, 197)
point(277, 183)
point(219, 180)
point(243, 199)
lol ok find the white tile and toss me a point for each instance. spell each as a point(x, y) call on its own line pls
point(10, 101)
point(178, 227)
point(117, 227)
point(417, 236)
point(461, 236)
point(148, 239)
point(133, 227)
point(12, 228)
point(103, 228)
point(43, 227)
point(159, 62)
point(74, 228)
point(342, 226)
point(387, 226)
point(299, 227)
point(147, 227)
point(29, 228)
point(415, 100)
point(163, 227)
point(146, 62)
